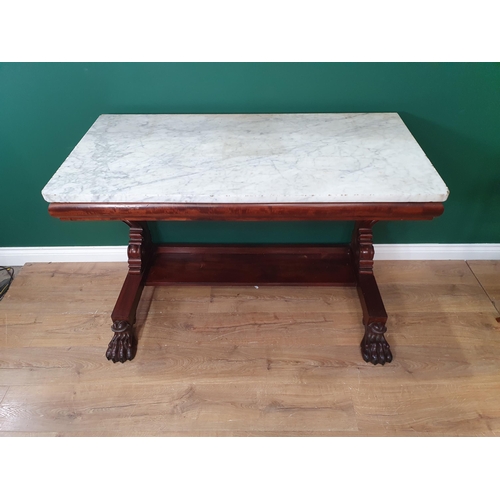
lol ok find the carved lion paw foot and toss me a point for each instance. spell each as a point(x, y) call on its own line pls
point(122, 346)
point(374, 347)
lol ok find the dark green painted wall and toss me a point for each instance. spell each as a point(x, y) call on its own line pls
point(453, 110)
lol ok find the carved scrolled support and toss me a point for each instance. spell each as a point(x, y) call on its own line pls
point(374, 347)
point(139, 247)
point(140, 250)
point(362, 247)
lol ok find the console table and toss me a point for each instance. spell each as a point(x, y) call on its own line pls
point(262, 167)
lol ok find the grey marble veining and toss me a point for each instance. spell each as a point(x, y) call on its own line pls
point(273, 158)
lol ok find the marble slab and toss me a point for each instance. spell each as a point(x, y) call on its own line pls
point(251, 158)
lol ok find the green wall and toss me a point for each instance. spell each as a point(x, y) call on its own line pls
point(453, 110)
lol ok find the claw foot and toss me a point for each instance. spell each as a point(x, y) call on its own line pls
point(122, 346)
point(374, 347)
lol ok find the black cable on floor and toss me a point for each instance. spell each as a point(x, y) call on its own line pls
point(5, 284)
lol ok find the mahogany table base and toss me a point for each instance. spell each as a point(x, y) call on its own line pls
point(318, 265)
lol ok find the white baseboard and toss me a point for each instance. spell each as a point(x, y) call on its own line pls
point(438, 251)
point(18, 256)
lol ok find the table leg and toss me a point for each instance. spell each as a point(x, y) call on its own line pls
point(374, 346)
point(123, 344)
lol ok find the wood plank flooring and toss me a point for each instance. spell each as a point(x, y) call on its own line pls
point(487, 273)
point(246, 361)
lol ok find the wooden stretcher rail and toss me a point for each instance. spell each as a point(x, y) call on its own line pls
point(321, 265)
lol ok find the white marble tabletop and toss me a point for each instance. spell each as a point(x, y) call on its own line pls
point(247, 158)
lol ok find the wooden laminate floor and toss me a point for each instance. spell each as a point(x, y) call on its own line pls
point(238, 361)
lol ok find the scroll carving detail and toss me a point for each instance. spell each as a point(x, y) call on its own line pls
point(139, 247)
point(362, 246)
